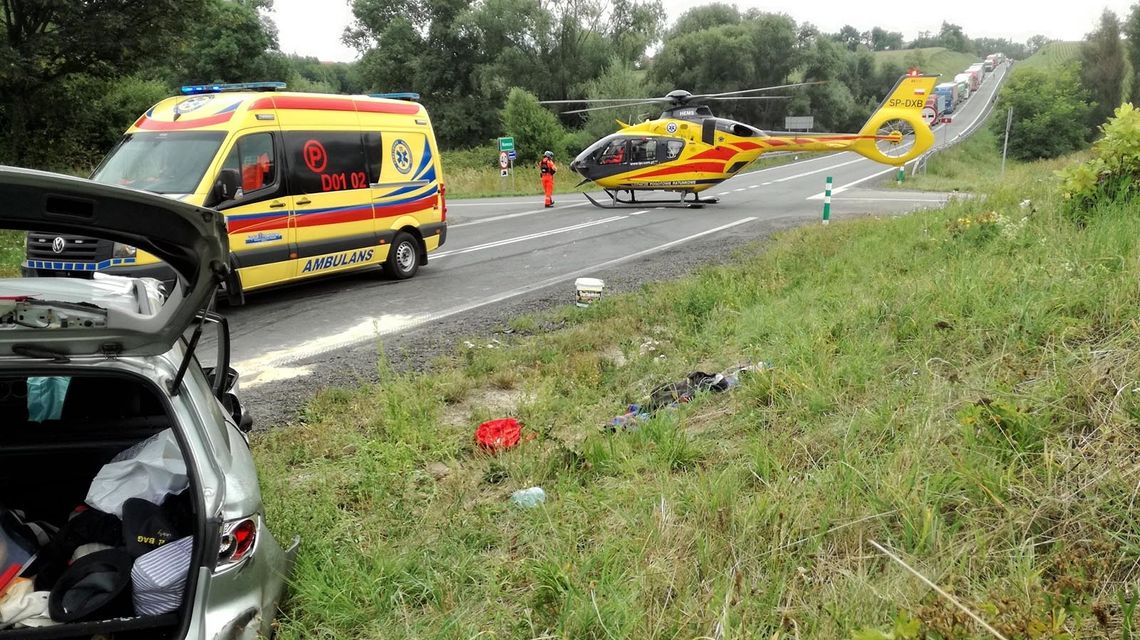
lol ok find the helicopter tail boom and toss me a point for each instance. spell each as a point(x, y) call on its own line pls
point(895, 134)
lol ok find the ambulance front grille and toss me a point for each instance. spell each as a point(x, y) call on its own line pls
point(42, 246)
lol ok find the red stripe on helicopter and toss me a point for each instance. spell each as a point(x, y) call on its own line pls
point(150, 124)
point(717, 153)
point(692, 167)
point(747, 146)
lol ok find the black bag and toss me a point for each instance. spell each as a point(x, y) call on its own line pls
point(85, 526)
point(97, 586)
point(683, 391)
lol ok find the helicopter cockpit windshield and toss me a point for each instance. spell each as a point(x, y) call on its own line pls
point(619, 153)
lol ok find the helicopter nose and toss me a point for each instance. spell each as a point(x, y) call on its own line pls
point(580, 167)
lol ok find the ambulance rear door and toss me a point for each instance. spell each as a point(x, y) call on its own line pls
point(407, 191)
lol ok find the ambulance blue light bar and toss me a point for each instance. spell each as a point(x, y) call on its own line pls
point(405, 95)
point(197, 89)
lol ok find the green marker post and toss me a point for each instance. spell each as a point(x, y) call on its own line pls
point(902, 174)
point(827, 201)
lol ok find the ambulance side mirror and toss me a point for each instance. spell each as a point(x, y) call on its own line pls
point(229, 180)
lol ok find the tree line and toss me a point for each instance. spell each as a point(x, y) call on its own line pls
point(76, 73)
point(1060, 110)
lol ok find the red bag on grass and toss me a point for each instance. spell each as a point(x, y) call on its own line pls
point(503, 433)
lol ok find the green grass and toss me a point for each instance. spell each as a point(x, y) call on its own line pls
point(11, 252)
point(1052, 56)
point(961, 386)
point(938, 60)
point(973, 165)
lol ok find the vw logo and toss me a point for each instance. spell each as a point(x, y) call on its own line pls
point(58, 245)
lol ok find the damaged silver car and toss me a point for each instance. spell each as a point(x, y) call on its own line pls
point(129, 499)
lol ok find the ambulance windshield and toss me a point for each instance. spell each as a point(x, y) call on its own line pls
point(161, 162)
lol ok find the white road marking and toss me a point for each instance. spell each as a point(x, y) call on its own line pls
point(857, 199)
point(281, 364)
point(828, 168)
point(753, 186)
point(738, 190)
point(723, 193)
point(838, 190)
point(529, 236)
point(508, 216)
point(637, 213)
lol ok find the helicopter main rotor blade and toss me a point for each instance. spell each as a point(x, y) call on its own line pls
point(592, 100)
point(736, 93)
point(750, 98)
point(613, 106)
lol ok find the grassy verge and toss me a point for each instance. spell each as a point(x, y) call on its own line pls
point(959, 386)
point(972, 165)
point(11, 252)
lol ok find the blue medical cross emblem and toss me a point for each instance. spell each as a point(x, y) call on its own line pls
point(402, 156)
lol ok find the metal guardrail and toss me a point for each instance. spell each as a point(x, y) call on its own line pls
point(920, 162)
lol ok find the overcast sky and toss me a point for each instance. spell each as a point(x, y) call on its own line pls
point(313, 28)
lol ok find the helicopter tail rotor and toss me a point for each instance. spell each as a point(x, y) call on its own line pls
point(897, 133)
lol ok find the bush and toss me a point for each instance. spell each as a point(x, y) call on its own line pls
point(1049, 112)
point(534, 128)
point(1112, 171)
point(575, 142)
point(481, 157)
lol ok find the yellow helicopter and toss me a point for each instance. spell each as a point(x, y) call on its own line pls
point(688, 150)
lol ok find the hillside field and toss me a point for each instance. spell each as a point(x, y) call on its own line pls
point(939, 60)
point(1052, 56)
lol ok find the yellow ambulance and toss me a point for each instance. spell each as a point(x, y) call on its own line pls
point(310, 184)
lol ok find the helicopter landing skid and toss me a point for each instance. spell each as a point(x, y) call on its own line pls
point(621, 203)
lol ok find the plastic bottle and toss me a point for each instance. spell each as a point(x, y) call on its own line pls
point(531, 497)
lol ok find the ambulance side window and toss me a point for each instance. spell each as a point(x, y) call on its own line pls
point(673, 149)
point(373, 156)
point(254, 158)
point(325, 161)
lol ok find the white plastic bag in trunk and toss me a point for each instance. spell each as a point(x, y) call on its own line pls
point(149, 470)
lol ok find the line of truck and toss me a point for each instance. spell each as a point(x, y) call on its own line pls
point(948, 96)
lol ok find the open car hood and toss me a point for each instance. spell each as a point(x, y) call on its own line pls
point(85, 317)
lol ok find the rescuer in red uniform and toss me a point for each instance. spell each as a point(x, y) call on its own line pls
point(547, 168)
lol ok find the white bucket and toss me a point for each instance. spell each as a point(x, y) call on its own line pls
point(588, 290)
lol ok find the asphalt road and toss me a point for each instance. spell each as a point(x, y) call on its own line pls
point(506, 256)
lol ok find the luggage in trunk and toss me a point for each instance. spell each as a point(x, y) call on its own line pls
point(55, 440)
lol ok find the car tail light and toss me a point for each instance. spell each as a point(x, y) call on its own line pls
point(239, 537)
point(443, 201)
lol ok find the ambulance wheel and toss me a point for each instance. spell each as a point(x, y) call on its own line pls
point(403, 257)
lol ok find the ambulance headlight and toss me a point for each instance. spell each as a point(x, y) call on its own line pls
point(123, 251)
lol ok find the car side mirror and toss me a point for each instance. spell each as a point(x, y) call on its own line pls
point(242, 418)
point(227, 385)
point(226, 188)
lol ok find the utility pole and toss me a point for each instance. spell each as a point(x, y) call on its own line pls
point(1005, 146)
